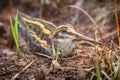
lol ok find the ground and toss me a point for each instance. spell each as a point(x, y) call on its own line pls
point(87, 60)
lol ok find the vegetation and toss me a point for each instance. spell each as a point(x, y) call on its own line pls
point(14, 29)
point(96, 19)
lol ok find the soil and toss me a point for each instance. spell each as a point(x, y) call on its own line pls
point(79, 66)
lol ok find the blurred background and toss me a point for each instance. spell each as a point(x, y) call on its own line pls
point(56, 11)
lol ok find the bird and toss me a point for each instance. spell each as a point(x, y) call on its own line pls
point(38, 34)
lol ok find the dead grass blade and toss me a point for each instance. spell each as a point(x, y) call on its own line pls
point(117, 24)
point(106, 75)
point(43, 55)
point(26, 67)
point(93, 21)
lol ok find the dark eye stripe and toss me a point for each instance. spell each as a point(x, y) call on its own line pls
point(64, 31)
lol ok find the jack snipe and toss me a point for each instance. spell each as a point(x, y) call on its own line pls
point(38, 34)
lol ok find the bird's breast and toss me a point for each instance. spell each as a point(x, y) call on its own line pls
point(66, 46)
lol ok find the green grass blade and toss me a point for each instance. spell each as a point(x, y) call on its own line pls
point(119, 39)
point(116, 72)
point(57, 51)
point(16, 25)
point(56, 58)
point(16, 30)
point(97, 72)
point(12, 29)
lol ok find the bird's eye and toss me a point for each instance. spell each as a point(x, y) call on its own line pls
point(64, 31)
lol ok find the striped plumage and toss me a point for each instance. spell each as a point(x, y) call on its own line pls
point(38, 34)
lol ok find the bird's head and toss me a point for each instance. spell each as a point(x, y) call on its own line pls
point(67, 31)
point(64, 31)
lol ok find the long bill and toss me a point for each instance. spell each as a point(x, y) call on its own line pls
point(79, 37)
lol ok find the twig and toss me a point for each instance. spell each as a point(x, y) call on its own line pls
point(53, 48)
point(93, 21)
point(26, 67)
point(109, 35)
point(46, 56)
point(117, 22)
point(103, 72)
